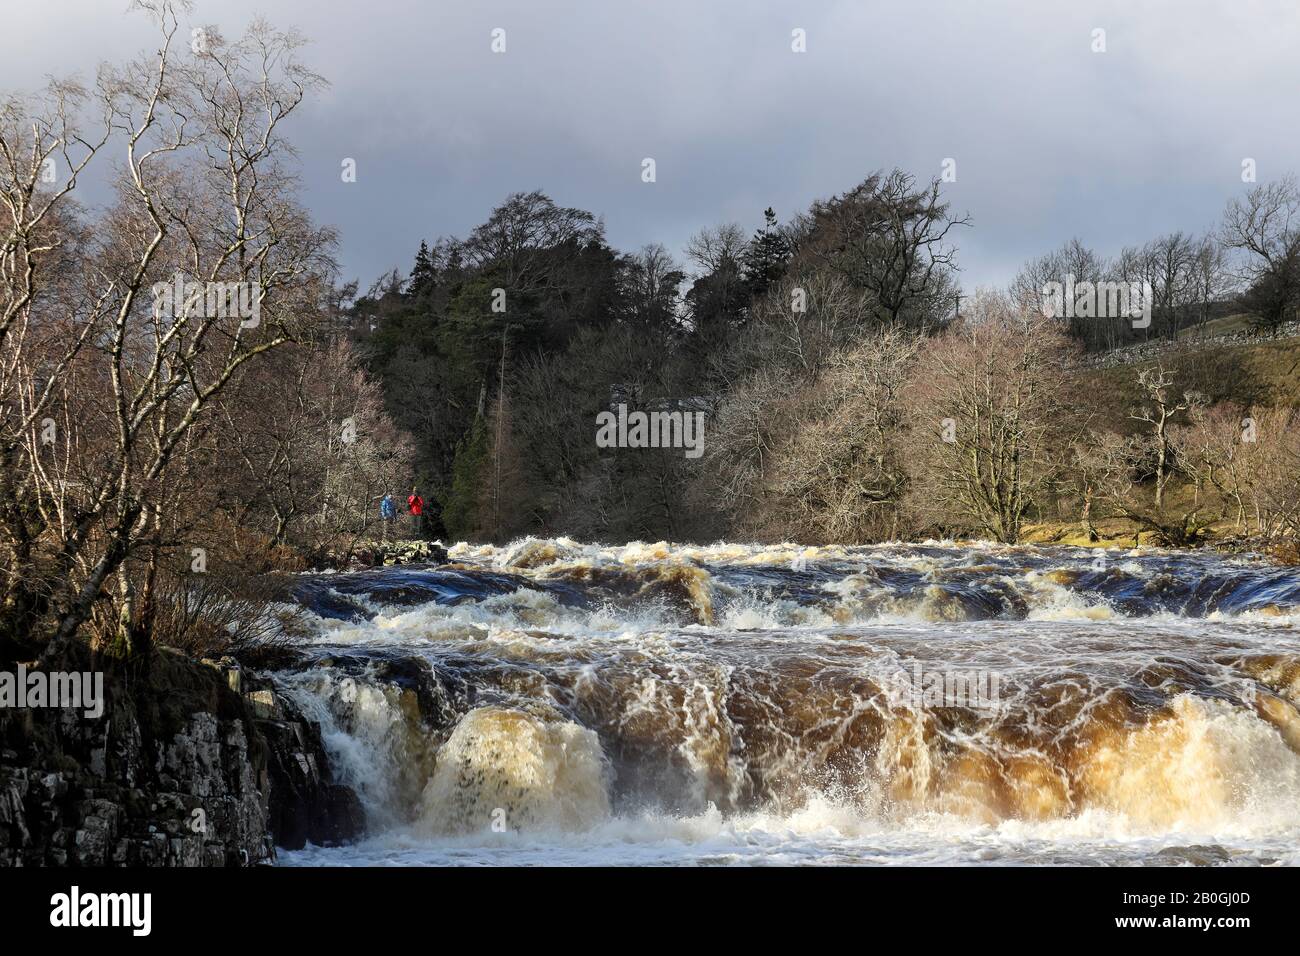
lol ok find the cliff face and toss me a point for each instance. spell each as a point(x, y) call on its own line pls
point(197, 764)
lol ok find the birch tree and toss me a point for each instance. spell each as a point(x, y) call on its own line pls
point(107, 378)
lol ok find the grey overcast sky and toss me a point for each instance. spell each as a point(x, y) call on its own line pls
point(1051, 140)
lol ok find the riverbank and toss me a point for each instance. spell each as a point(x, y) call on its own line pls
point(1121, 533)
point(194, 763)
point(378, 554)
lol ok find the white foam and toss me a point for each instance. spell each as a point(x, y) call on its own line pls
point(1200, 770)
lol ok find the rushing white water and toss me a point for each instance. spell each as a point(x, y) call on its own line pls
point(554, 702)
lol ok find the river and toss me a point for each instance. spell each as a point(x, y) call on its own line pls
point(554, 702)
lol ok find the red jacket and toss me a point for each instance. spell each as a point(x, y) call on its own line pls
point(416, 504)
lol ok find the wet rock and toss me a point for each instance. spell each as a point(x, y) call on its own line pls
point(204, 766)
point(393, 553)
point(306, 806)
point(439, 696)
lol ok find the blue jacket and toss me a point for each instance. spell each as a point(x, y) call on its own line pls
point(386, 507)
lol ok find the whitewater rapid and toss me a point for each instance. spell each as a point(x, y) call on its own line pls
point(555, 702)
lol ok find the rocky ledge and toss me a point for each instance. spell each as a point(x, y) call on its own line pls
point(377, 554)
point(194, 764)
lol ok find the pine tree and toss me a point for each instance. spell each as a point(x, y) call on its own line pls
point(424, 276)
point(462, 504)
point(766, 257)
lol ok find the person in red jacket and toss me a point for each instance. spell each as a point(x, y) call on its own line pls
point(415, 504)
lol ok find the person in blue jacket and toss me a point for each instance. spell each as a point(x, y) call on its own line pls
point(387, 512)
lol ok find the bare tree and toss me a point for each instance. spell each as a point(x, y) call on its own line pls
point(840, 475)
point(314, 448)
point(987, 410)
point(1129, 474)
point(1211, 280)
point(1265, 226)
point(891, 237)
point(1251, 459)
point(652, 281)
point(1077, 260)
point(521, 238)
point(204, 202)
point(1160, 408)
point(1174, 260)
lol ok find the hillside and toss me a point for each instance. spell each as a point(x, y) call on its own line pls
point(1266, 373)
point(1257, 374)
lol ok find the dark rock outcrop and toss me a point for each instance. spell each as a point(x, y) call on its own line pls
point(197, 764)
point(400, 552)
point(376, 554)
point(305, 806)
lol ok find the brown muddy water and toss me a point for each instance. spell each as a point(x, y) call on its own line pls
point(557, 702)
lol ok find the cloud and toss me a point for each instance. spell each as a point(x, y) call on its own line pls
point(1051, 139)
